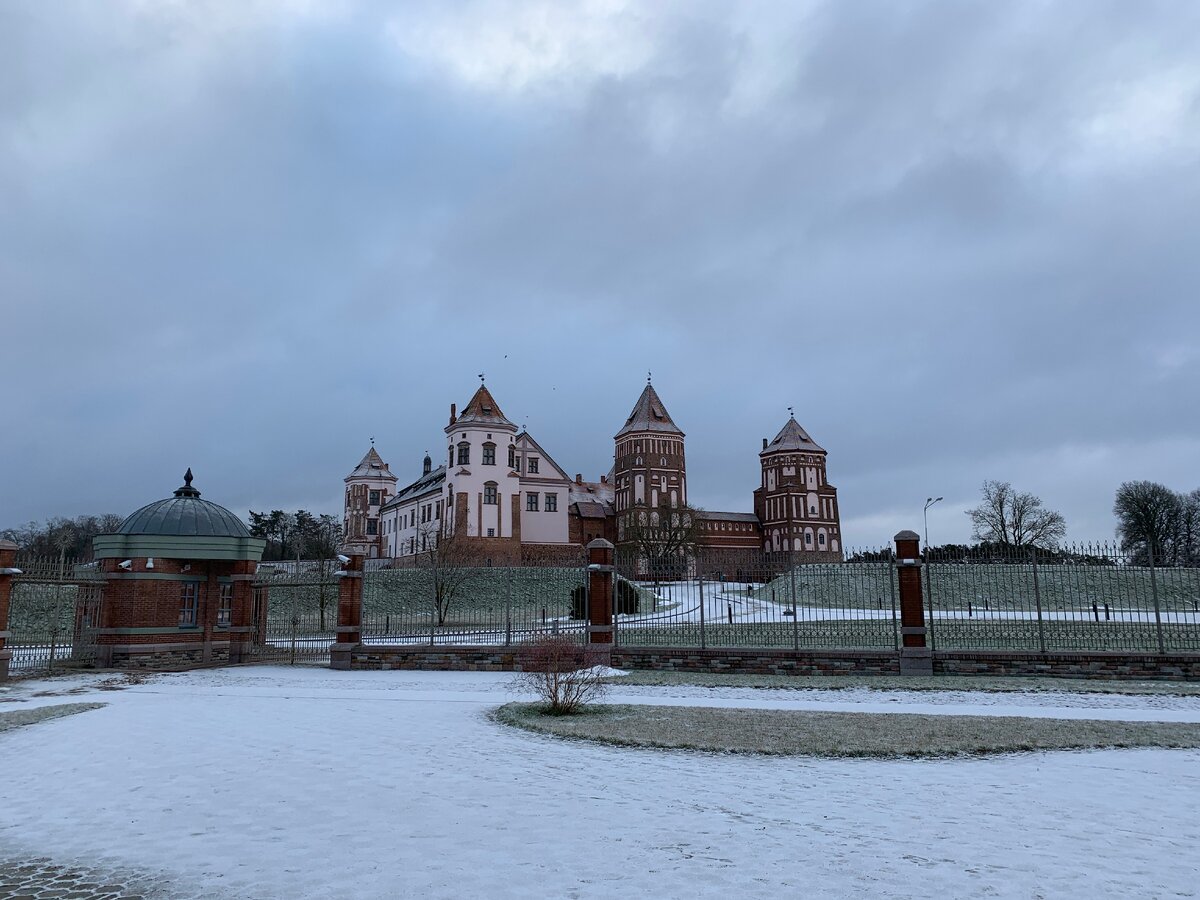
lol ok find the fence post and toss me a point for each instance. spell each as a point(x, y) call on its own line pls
point(795, 601)
point(508, 586)
point(600, 592)
point(915, 657)
point(8, 559)
point(1037, 598)
point(700, 585)
point(349, 626)
point(1154, 594)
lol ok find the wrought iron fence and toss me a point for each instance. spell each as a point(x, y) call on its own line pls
point(295, 611)
point(753, 599)
point(1093, 597)
point(54, 611)
point(422, 602)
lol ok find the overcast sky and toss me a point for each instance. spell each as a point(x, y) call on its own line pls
point(962, 240)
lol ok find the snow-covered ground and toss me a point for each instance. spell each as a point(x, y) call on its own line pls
point(278, 782)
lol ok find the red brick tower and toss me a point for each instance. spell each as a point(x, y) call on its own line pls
point(649, 470)
point(795, 503)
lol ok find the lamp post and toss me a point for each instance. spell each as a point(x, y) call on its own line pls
point(928, 503)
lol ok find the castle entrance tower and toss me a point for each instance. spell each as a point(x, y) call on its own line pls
point(649, 469)
point(795, 502)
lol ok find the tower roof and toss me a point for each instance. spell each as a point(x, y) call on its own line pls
point(371, 466)
point(649, 414)
point(481, 409)
point(792, 438)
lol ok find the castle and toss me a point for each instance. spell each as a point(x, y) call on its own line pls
point(496, 484)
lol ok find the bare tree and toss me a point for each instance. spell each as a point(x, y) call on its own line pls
point(664, 538)
point(1013, 518)
point(1150, 518)
point(452, 560)
point(562, 672)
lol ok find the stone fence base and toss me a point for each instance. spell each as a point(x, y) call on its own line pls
point(1178, 667)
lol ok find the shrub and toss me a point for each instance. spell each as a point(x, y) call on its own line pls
point(627, 600)
point(564, 674)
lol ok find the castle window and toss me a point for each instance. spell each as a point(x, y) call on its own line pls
point(225, 611)
point(552, 503)
point(372, 526)
point(373, 498)
point(531, 502)
point(821, 540)
point(532, 463)
point(491, 532)
point(464, 454)
point(512, 457)
point(489, 454)
point(489, 493)
point(808, 537)
point(187, 604)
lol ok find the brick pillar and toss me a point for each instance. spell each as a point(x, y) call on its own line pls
point(915, 657)
point(349, 626)
point(600, 592)
point(241, 612)
point(8, 559)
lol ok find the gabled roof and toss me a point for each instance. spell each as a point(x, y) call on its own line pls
point(481, 409)
point(423, 486)
point(526, 438)
point(649, 414)
point(371, 466)
point(792, 438)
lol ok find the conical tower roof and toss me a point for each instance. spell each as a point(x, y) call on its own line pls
point(481, 409)
point(371, 466)
point(649, 414)
point(792, 438)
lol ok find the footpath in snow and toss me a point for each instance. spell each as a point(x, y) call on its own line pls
point(278, 782)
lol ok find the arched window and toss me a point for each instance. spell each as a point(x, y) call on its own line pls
point(489, 454)
point(489, 493)
point(464, 454)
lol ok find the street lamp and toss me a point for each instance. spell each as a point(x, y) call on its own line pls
point(928, 503)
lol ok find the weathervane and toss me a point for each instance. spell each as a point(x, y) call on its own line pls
point(791, 413)
point(481, 378)
point(648, 374)
point(372, 440)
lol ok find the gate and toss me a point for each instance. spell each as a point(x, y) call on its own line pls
point(54, 615)
point(294, 612)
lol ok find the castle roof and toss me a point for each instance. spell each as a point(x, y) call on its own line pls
point(481, 409)
point(423, 486)
point(792, 438)
point(371, 466)
point(649, 414)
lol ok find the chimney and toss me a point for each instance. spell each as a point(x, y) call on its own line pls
point(764, 440)
point(604, 479)
point(578, 478)
point(453, 413)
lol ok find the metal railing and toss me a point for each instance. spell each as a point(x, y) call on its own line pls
point(54, 610)
point(475, 604)
point(753, 599)
point(1079, 598)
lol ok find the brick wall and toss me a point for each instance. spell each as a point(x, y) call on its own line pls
point(757, 662)
point(442, 659)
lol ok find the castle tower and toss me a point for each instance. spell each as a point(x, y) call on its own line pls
point(367, 489)
point(649, 469)
point(795, 503)
point(482, 493)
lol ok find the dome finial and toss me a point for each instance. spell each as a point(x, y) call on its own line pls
point(187, 490)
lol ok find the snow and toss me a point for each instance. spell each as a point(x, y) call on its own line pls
point(279, 782)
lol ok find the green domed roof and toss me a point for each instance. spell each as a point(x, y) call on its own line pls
point(185, 515)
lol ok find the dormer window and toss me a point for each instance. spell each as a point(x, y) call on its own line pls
point(489, 454)
point(464, 454)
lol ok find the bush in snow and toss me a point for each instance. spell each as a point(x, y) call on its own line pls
point(627, 600)
point(563, 673)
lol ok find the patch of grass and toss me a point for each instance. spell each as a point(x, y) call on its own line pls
point(907, 683)
point(19, 717)
point(841, 734)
